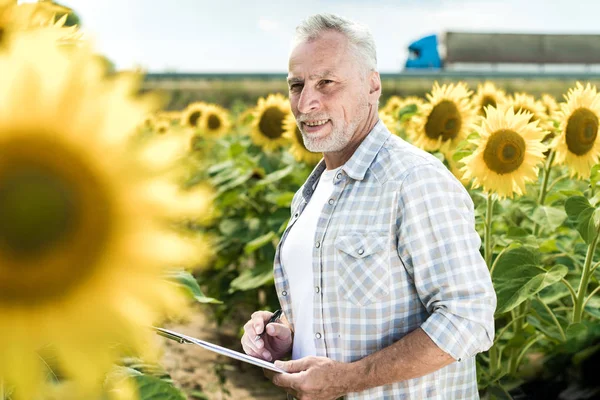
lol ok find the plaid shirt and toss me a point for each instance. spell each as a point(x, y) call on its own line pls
point(396, 249)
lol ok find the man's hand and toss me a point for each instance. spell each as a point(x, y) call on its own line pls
point(275, 343)
point(313, 378)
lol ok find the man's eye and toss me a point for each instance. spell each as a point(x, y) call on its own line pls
point(326, 82)
point(295, 86)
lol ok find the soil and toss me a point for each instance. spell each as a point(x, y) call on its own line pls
point(202, 374)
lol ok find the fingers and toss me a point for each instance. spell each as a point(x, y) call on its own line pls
point(279, 331)
point(258, 320)
point(252, 329)
point(299, 365)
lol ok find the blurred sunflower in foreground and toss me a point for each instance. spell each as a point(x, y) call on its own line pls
point(267, 125)
point(445, 119)
point(298, 150)
point(40, 17)
point(577, 145)
point(508, 151)
point(83, 237)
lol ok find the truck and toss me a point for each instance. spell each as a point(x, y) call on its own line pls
point(453, 50)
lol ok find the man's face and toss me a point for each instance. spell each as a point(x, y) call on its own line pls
point(329, 92)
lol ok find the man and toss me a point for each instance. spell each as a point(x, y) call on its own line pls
point(384, 291)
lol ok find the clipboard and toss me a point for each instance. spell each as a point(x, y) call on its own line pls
point(184, 339)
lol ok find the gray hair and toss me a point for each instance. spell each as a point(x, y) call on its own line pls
point(359, 37)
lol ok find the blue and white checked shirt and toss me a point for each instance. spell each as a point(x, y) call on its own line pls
point(396, 249)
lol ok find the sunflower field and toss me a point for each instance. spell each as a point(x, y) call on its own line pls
point(117, 216)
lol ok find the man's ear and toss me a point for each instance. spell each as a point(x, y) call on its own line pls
point(374, 85)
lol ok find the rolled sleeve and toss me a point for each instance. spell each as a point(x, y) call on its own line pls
point(439, 247)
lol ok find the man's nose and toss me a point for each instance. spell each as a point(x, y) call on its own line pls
point(309, 100)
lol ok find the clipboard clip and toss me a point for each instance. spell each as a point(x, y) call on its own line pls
point(171, 335)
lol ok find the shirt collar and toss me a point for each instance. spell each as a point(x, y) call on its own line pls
point(356, 167)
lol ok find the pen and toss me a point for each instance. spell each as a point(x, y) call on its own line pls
point(273, 318)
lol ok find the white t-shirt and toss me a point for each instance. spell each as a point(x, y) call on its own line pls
point(296, 258)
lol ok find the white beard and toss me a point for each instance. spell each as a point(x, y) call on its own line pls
point(339, 137)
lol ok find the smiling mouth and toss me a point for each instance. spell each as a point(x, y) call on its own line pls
point(316, 123)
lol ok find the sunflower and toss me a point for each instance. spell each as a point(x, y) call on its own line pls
point(389, 121)
point(578, 145)
point(525, 102)
point(445, 119)
point(298, 150)
point(267, 126)
point(488, 95)
point(192, 113)
point(162, 126)
point(550, 104)
point(508, 151)
point(83, 241)
point(39, 17)
point(215, 121)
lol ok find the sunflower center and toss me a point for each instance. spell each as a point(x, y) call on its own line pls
point(54, 222)
point(581, 131)
point(193, 118)
point(214, 122)
point(444, 121)
point(271, 123)
point(37, 211)
point(504, 151)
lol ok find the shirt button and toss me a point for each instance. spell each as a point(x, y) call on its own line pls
point(339, 175)
point(284, 293)
point(317, 245)
point(361, 251)
point(330, 201)
point(318, 335)
point(317, 289)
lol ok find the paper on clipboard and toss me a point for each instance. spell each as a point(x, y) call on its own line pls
point(181, 338)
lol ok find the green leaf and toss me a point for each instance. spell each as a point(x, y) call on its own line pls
point(595, 175)
point(576, 336)
point(229, 227)
point(259, 242)
point(153, 388)
point(276, 176)
point(580, 210)
point(252, 278)
point(220, 167)
point(517, 277)
point(280, 199)
point(550, 217)
point(186, 281)
point(408, 111)
point(575, 205)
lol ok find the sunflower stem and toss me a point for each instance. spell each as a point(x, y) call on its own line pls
point(488, 231)
point(585, 279)
point(544, 189)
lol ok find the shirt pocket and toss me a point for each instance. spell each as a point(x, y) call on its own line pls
point(362, 266)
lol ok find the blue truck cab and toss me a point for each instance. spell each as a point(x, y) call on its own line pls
point(424, 54)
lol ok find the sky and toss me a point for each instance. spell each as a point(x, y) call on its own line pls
point(254, 36)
